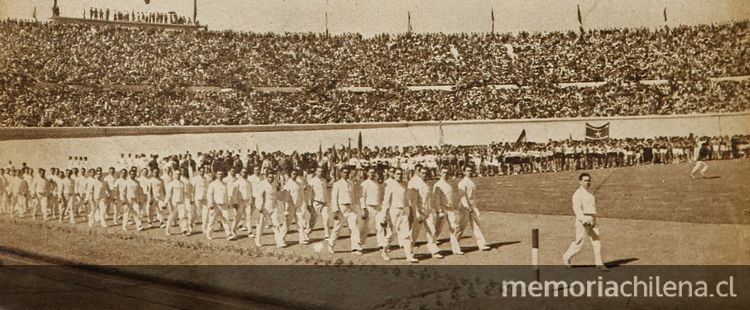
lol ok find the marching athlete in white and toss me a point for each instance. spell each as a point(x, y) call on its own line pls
point(156, 192)
point(246, 199)
point(584, 207)
point(189, 205)
point(177, 200)
point(320, 201)
point(234, 201)
point(200, 185)
point(268, 193)
point(425, 215)
point(98, 193)
point(344, 209)
point(129, 208)
point(67, 196)
point(254, 180)
point(297, 206)
point(219, 210)
point(443, 199)
point(41, 189)
point(374, 214)
point(113, 201)
point(466, 189)
point(397, 206)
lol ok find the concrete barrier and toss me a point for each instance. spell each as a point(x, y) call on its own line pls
point(52, 146)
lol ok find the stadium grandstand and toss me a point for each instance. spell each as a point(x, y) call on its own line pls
point(114, 74)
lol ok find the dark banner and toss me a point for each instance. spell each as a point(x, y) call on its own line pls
point(597, 133)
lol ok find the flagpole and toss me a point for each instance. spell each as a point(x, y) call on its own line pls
point(408, 22)
point(195, 11)
point(492, 15)
point(580, 19)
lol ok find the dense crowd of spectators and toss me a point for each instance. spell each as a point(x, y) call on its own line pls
point(141, 17)
point(87, 54)
point(74, 106)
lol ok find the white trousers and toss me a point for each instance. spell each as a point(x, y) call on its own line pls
point(429, 223)
point(350, 216)
point(377, 218)
point(582, 231)
point(401, 223)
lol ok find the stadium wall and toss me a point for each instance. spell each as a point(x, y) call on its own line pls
point(48, 146)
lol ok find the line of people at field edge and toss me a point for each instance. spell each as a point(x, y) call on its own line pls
point(240, 200)
point(144, 17)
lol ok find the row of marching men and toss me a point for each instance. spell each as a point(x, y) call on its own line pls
point(385, 202)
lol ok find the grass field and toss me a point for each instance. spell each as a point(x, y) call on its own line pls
point(653, 192)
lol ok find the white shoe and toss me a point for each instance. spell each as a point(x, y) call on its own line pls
point(385, 256)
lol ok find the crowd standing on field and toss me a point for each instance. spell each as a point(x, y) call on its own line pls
point(380, 189)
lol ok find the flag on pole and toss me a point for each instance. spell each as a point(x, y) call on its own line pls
point(492, 16)
point(34, 14)
point(335, 155)
point(359, 142)
point(597, 133)
point(521, 138)
point(408, 20)
point(320, 150)
point(665, 14)
point(256, 149)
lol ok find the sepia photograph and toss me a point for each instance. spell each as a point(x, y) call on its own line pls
point(374, 154)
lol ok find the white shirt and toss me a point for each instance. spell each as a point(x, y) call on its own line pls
point(217, 192)
point(395, 198)
point(319, 190)
point(199, 187)
point(267, 195)
point(342, 193)
point(584, 203)
point(245, 189)
point(370, 193)
point(295, 192)
point(416, 183)
point(466, 189)
point(175, 192)
point(443, 193)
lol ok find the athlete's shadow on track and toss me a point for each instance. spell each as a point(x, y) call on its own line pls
point(493, 246)
point(610, 264)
